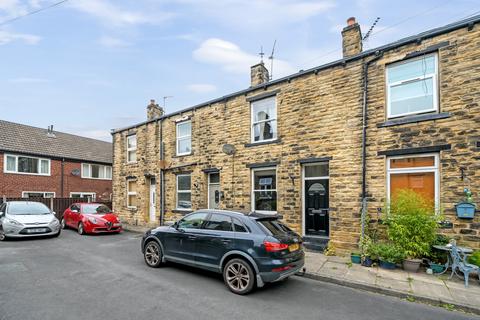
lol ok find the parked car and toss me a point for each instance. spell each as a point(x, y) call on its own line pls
point(27, 219)
point(91, 218)
point(249, 250)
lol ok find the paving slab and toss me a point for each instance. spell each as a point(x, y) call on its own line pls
point(397, 282)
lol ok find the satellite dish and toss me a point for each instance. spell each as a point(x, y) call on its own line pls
point(228, 149)
point(75, 172)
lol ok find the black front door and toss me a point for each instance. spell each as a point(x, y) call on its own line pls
point(316, 207)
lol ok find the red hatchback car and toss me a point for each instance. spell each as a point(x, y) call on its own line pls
point(91, 218)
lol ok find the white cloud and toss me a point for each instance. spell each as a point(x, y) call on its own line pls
point(24, 80)
point(112, 42)
point(96, 134)
point(231, 58)
point(113, 15)
point(12, 8)
point(7, 37)
point(201, 88)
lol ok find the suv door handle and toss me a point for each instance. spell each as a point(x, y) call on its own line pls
point(192, 237)
point(226, 241)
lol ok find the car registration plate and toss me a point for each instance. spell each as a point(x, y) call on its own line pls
point(294, 247)
point(37, 230)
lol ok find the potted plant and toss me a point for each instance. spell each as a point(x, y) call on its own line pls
point(466, 209)
point(475, 258)
point(412, 226)
point(388, 254)
point(356, 257)
point(366, 245)
point(438, 259)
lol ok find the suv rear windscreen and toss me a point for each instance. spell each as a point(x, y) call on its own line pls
point(274, 226)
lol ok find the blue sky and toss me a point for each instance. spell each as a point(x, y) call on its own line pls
point(88, 66)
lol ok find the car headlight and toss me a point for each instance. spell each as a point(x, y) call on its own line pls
point(92, 220)
point(14, 222)
point(54, 222)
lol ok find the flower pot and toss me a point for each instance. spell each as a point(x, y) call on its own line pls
point(411, 265)
point(436, 267)
point(465, 210)
point(356, 258)
point(367, 262)
point(387, 265)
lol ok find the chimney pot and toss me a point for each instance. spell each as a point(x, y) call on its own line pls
point(351, 21)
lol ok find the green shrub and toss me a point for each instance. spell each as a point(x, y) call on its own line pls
point(387, 252)
point(412, 223)
point(475, 258)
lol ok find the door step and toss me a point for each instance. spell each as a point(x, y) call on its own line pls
point(315, 244)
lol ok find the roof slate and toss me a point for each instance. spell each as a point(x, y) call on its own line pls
point(20, 138)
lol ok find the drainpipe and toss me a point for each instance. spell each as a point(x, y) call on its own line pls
point(62, 177)
point(162, 177)
point(366, 64)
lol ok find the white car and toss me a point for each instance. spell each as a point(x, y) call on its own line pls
point(27, 219)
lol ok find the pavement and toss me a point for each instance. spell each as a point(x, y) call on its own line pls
point(98, 277)
point(438, 290)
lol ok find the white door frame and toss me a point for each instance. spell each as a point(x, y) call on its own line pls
point(152, 196)
point(209, 184)
point(303, 191)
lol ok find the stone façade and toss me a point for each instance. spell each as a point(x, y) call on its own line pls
point(319, 115)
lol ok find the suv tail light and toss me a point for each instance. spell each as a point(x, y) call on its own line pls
point(274, 246)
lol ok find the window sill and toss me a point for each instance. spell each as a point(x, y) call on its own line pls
point(260, 143)
point(183, 155)
point(183, 211)
point(28, 173)
point(414, 119)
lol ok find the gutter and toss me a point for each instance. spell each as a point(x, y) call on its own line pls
point(366, 64)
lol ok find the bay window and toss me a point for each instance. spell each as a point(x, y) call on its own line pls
point(412, 86)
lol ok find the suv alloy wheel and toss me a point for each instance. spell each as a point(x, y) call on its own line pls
point(153, 254)
point(239, 276)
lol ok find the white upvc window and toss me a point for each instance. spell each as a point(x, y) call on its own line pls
point(132, 193)
point(184, 192)
point(419, 173)
point(132, 148)
point(264, 120)
point(264, 190)
point(96, 171)
point(91, 195)
point(26, 165)
point(184, 138)
point(412, 86)
point(38, 194)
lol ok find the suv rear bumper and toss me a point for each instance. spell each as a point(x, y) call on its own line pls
point(271, 276)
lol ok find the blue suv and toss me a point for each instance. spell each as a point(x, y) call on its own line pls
point(249, 250)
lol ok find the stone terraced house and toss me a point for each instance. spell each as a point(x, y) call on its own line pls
point(320, 147)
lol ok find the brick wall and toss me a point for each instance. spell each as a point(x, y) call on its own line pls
point(319, 115)
point(12, 185)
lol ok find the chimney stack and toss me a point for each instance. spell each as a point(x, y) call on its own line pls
point(351, 38)
point(258, 74)
point(154, 111)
